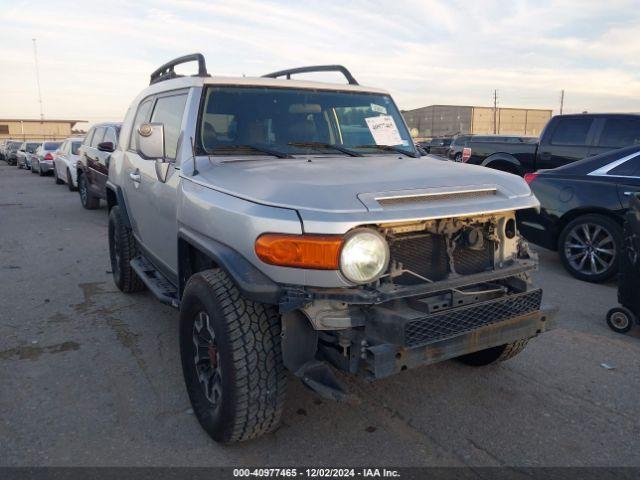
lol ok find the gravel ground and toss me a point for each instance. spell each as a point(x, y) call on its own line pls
point(91, 377)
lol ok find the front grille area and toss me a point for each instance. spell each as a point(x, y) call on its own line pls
point(456, 321)
point(426, 254)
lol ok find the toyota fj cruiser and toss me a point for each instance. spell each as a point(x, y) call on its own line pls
point(294, 225)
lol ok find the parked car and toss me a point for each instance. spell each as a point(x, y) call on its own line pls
point(64, 162)
point(92, 168)
point(42, 159)
point(457, 144)
point(440, 146)
point(24, 154)
point(565, 139)
point(289, 237)
point(3, 148)
point(582, 211)
point(11, 152)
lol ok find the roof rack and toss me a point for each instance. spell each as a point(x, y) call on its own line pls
point(316, 68)
point(167, 72)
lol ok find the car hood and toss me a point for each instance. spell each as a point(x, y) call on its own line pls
point(357, 184)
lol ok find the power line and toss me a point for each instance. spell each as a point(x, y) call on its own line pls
point(35, 56)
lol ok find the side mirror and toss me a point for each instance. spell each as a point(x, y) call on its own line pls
point(150, 138)
point(106, 147)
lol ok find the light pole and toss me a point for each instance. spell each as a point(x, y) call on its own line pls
point(35, 56)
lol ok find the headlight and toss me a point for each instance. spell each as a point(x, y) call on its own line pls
point(364, 256)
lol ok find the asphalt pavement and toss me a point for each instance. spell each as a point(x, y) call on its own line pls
point(91, 377)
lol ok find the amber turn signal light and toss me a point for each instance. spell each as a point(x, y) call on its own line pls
point(319, 252)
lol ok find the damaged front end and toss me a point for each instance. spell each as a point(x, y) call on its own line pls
point(453, 287)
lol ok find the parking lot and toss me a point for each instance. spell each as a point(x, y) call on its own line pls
point(90, 376)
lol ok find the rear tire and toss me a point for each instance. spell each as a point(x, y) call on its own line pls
point(122, 249)
point(458, 157)
point(86, 197)
point(568, 255)
point(235, 378)
point(40, 172)
point(33, 170)
point(494, 354)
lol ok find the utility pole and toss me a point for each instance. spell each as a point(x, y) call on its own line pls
point(495, 112)
point(561, 101)
point(35, 56)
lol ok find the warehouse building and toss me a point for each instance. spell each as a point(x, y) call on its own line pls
point(446, 120)
point(21, 129)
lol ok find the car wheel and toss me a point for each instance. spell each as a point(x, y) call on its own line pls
point(231, 359)
point(40, 172)
point(458, 157)
point(33, 169)
point(494, 354)
point(55, 175)
point(70, 181)
point(122, 249)
point(621, 319)
point(86, 198)
point(589, 246)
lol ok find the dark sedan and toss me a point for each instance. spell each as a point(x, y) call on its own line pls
point(582, 210)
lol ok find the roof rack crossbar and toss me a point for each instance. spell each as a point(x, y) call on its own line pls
point(315, 68)
point(167, 71)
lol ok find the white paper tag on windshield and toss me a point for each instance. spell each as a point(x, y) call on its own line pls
point(378, 108)
point(384, 130)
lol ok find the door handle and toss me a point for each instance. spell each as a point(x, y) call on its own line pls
point(135, 176)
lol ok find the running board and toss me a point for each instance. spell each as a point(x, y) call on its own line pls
point(157, 283)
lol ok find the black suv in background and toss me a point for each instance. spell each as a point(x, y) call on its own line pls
point(93, 165)
point(565, 139)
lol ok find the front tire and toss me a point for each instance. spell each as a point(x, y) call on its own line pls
point(55, 175)
point(589, 246)
point(122, 249)
point(494, 354)
point(86, 197)
point(70, 181)
point(458, 158)
point(231, 359)
point(621, 319)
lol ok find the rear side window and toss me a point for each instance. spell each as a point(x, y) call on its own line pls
point(630, 168)
point(97, 136)
point(620, 132)
point(571, 131)
point(168, 111)
point(142, 115)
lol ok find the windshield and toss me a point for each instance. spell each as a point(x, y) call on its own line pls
point(51, 145)
point(31, 147)
point(255, 121)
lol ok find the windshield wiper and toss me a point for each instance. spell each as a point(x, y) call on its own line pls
point(390, 148)
point(325, 145)
point(255, 148)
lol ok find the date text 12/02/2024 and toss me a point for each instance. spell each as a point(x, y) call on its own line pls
point(316, 472)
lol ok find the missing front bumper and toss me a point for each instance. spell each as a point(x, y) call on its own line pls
point(386, 359)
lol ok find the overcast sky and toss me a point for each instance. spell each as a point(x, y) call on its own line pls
point(96, 56)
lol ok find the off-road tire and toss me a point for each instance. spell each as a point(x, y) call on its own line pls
point(122, 249)
point(253, 379)
point(612, 228)
point(494, 354)
point(70, 182)
point(87, 199)
point(55, 175)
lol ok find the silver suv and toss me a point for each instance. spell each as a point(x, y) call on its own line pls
point(295, 226)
